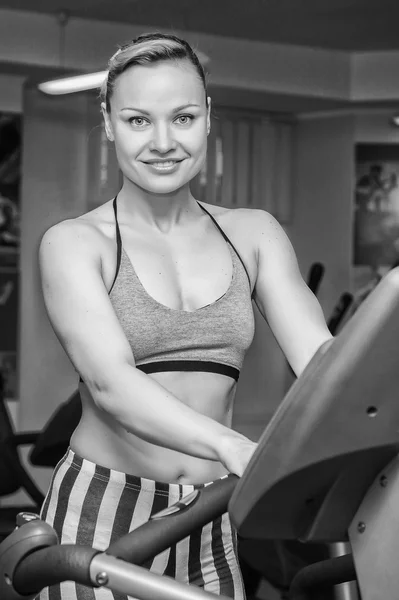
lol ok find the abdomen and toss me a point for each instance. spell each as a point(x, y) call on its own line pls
point(101, 439)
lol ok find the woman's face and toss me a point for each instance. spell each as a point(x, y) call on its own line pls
point(159, 123)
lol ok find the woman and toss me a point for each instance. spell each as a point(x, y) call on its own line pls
point(151, 296)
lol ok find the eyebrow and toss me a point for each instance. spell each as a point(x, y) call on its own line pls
point(145, 112)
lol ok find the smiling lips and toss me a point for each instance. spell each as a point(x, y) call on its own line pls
point(163, 165)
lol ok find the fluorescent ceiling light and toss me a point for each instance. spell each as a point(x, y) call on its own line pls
point(88, 81)
point(69, 85)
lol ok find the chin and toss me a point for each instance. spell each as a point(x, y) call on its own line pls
point(164, 187)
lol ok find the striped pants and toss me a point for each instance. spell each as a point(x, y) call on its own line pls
point(91, 505)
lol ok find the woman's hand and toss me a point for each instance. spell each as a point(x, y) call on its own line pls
point(235, 452)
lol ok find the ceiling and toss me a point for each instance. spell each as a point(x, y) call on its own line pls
point(332, 24)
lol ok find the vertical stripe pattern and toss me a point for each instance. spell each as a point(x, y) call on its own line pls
point(88, 504)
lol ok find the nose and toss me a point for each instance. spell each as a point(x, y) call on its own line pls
point(162, 140)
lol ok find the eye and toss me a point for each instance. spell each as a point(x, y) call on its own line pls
point(185, 119)
point(138, 122)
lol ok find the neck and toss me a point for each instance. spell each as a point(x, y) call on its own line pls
point(159, 211)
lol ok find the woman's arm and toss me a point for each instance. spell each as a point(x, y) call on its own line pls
point(84, 321)
point(282, 296)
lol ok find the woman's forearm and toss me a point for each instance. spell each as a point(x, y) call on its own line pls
point(146, 409)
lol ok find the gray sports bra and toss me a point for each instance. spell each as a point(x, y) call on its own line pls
point(213, 338)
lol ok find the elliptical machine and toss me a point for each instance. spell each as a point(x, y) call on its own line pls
point(326, 470)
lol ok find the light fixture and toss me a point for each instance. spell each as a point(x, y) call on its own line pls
point(69, 85)
point(395, 120)
point(86, 81)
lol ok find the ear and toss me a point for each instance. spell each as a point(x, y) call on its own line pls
point(107, 122)
point(208, 117)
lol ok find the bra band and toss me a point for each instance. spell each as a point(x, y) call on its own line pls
point(202, 366)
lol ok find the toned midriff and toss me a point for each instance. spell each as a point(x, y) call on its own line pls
point(102, 440)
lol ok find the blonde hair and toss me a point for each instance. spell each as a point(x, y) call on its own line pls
point(148, 48)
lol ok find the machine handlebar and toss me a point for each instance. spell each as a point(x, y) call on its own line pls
point(84, 565)
point(175, 522)
point(31, 557)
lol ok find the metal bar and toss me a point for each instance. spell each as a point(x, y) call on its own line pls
point(322, 574)
point(347, 590)
point(124, 578)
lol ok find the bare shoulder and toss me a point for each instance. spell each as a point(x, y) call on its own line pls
point(66, 241)
point(214, 209)
point(259, 220)
point(252, 224)
point(88, 231)
point(233, 216)
point(263, 229)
